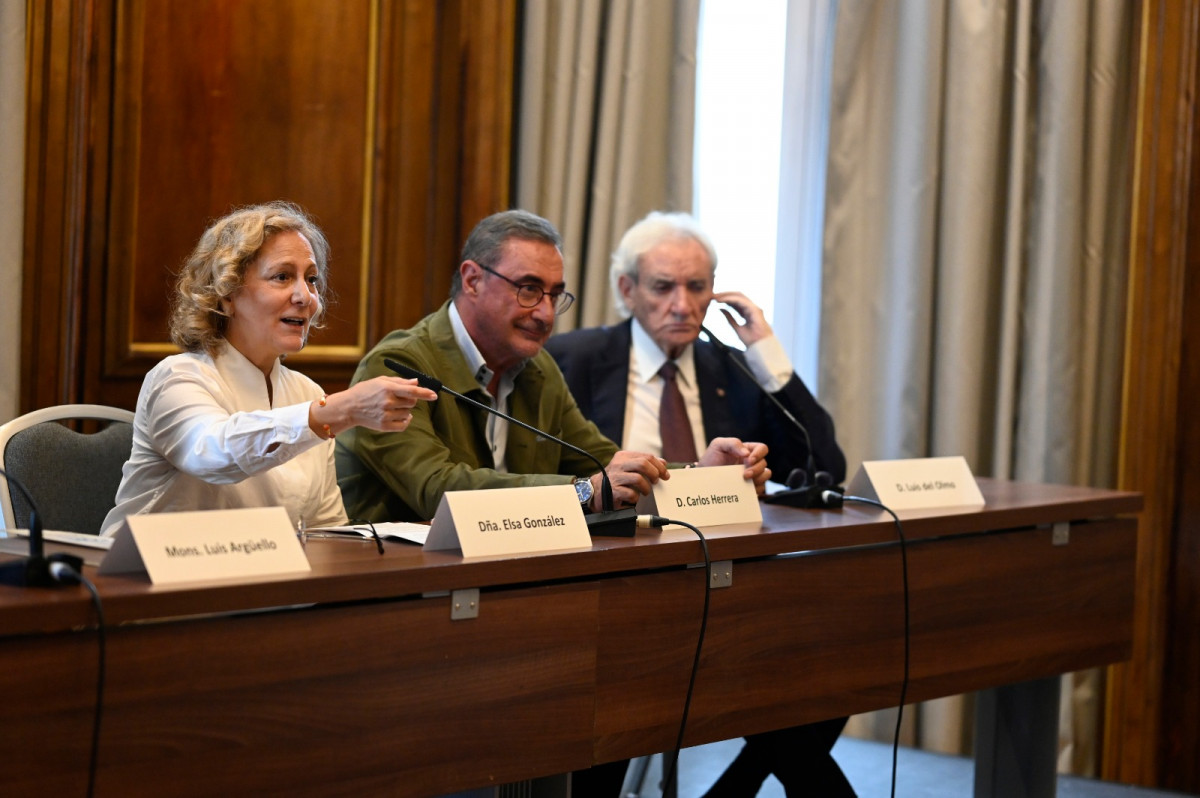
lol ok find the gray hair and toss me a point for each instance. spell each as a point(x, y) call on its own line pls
point(485, 243)
point(644, 236)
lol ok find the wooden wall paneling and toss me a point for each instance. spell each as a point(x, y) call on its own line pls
point(1179, 747)
point(445, 116)
point(271, 101)
point(489, 82)
point(148, 118)
point(98, 214)
point(452, 58)
point(405, 209)
point(57, 160)
point(1150, 423)
point(1180, 743)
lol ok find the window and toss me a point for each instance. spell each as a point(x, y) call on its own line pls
point(739, 103)
point(762, 100)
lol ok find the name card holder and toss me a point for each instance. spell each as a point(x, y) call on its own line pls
point(208, 544)
point(705, 497)
point(922, 483)
point(509, 521)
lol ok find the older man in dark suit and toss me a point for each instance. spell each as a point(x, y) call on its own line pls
point(652, 384)
point(663, 275)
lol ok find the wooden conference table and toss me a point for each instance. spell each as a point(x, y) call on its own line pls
point(356, 680)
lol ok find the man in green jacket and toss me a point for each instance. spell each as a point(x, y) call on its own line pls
point(486, 343)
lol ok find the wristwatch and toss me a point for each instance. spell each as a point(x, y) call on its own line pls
point(583, 489)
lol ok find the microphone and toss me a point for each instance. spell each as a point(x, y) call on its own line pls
point(798, 493)
point(608, 522)
point(37, 570)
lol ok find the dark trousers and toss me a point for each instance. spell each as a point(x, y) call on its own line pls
point(799, 757)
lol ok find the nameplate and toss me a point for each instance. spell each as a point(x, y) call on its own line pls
point(210, 544)
point(705, 497)
point(917, 484)
point(509, 521)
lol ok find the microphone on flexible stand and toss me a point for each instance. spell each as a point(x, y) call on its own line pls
point(608, 522)
point(799, 492)
point(36, 570)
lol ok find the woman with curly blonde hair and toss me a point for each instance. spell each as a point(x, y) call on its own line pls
point(214, 270)
point(225, 424)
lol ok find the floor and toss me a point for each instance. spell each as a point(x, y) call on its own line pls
point(868, 766)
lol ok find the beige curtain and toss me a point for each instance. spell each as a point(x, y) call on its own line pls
point(975, 247)
point(604, 132)
point(804, 146)
point(12, 195)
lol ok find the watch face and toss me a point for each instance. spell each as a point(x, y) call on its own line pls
point(583, 489)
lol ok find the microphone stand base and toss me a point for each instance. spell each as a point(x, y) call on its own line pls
point(613, 524)
point(35, 571)
point(806, 498)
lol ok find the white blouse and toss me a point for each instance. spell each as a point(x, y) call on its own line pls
point(202, 438)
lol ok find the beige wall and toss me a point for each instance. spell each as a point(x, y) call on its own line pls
point(12, 185)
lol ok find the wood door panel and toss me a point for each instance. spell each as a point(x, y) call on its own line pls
point(389, 122)
point(222, 104)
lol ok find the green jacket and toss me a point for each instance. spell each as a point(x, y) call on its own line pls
point(401, 476)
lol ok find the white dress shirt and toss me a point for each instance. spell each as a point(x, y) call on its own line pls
point(495, 427)
point(202, 438)
point(766, 358)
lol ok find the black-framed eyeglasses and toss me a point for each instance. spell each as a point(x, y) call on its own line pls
point(530, 295)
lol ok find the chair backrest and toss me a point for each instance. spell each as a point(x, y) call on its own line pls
point(72, 476)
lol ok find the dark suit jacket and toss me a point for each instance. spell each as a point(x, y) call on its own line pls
point(595, 362)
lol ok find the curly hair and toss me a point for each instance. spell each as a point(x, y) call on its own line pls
point(216, 269)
